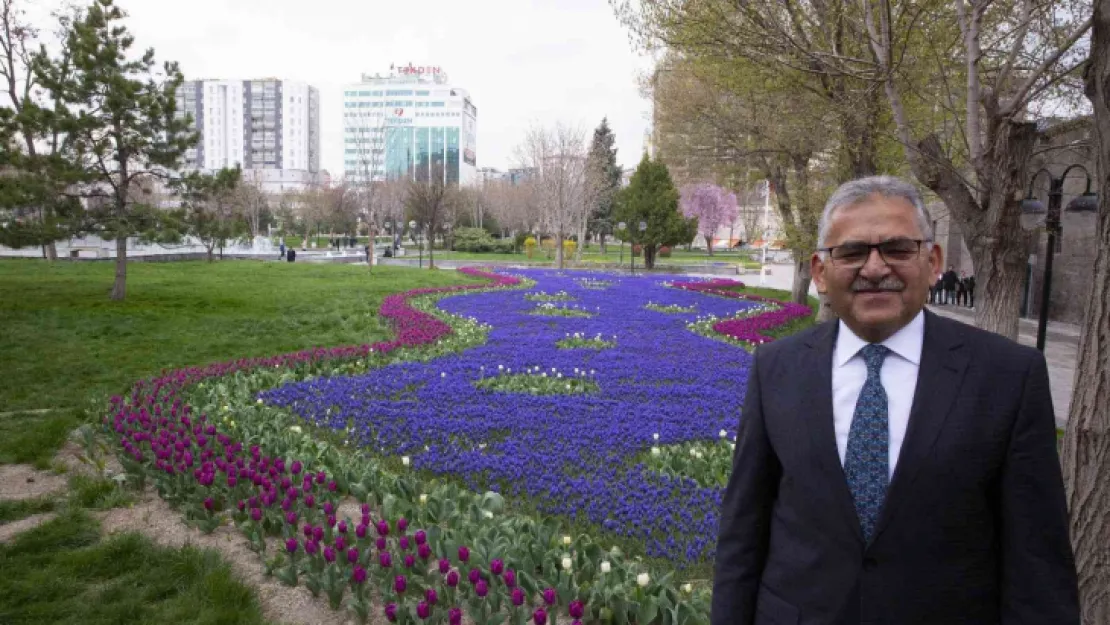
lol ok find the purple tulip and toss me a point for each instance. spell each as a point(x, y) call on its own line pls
point(409, 561)
point(444, 565)
point(424, 551)
point(310, 547)
point(423, 610)
point(291, 545)
point(420, 537)
point(549, 596)
point(342, 527)
point(383, 528)
point(256, 515)
point(308, 530)
point(518, 597)
point(474, 576)
point(402, 525)
point(340, 544)
point(481, 588)
point(430, 596)
point(380, 543)
point(391, 612)
point(310, 501)
point(332, 486)
point(464, 554)
point(242, 505)
point(329, 554)
point(453, 578)
point(359, 575)
point(318, 533)
point(576, 609)
point(365, 509)
point(291, 518)
point(509, 578)
point(320, 477)
point(208, 504)
point(399, 584)
point(539, 616)
point(497, 566)
point(296, 468)
point(404, 542)
point(385, 560)
point(454, 616)
point(360, 531)
point(329, 509)
point(352, 555)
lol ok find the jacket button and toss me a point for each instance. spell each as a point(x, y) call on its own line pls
point(869, 564)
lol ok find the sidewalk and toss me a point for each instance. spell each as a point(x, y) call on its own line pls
point(1060, 350)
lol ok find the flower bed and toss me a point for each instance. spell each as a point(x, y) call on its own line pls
point(747, 328)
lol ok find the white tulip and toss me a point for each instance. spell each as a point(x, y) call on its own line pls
point(722, 434)
point(615, 551)
point(655, 451)
point(655, 436)
point(605, 567)
point(405, 460)
point(643, 579)
point(687, 588)
point(566, 564)
point(423, 498)
point(296, 429)
point(699, 455)
point(259, 402)
point(442, 374)
point(567, 540)
point(693, 452)
point(487, 514)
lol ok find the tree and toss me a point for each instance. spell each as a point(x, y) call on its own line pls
point(605, 176)
point(712, 206)
point(564, 190)
point(36, 198)
point(651, 198)
point(1010, 57)
point(1086, 453)
point(210, 210)
point(429, 203)
point(254, 206)
point(752, 212)
point(121, 125)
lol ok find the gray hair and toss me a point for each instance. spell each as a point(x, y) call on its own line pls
point(855, 191)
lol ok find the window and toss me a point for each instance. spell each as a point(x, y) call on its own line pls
point(397, 93)
point(423, 93)
point(438, 104)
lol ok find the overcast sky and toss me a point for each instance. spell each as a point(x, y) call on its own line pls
point(523, 61)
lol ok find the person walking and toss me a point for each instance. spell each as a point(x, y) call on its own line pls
point(281, 250)
point(893, 467)
point(950, 278)
point(971, 292)
point(961, 289)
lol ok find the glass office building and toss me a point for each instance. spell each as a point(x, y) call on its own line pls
point(409, 124)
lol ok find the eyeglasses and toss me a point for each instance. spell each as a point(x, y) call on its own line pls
point(893, 252)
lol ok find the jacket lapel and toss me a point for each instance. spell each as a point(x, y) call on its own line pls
point(818, 364)
point(944, 357)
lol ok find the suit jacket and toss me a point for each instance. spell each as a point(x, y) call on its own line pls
point(974, 526)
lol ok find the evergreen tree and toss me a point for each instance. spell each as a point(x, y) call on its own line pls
point(121, 124)
point(606, 174)
point(651, 198)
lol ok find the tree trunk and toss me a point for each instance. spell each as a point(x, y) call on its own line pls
point(709, 244)
point(559, 250)
point(799, 290)
point(999, 278)
point(601, 241)
point(51, 251)
point(119, 287)
point(1086, 455)
point(649, 256)
point(208, 249)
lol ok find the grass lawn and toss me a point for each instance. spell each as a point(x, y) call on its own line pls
point(64, 342)
point(63, 572)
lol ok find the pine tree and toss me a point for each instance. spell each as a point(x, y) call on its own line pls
point(122, 128)
point(651, 198)
point(602, 163)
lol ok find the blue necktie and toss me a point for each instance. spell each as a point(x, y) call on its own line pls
point(866, 462)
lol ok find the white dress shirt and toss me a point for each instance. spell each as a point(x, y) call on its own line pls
point(898, 375)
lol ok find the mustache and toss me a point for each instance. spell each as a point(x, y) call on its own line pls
point(889, 283)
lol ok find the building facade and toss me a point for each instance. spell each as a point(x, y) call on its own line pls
point(409, 124)
point(269, 127)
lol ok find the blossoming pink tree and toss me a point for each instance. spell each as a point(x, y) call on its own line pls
point(713, 206)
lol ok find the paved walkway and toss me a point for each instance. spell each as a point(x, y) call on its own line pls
point(1061, 352)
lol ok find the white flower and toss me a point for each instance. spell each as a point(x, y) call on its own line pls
point(605, 567)
point(259, 402)
point(559, 375)
point(442, 374)
point(405, 460)
point(566, 564)
point(568, 387)
point(225, 407)
point(232, 424)
point(699, 455)
point(567, 540)
point(423, 498)
point(655, 436)
point(732, 446)
point(296, 429)
point(655, 451)
point(643, 579)
point(500, 367)
point(615, 551)
point(687, 588)
point(722, 434)
point(487, 514)
point(693, 452)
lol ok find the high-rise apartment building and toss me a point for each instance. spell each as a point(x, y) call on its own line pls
point(269, 127)
point(410, 124)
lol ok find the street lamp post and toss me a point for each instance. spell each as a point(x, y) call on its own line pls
point(1033, 211)
point(419, 247)
point(621, 226)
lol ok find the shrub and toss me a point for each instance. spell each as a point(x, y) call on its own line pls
point(664, 252)
point(530, 246)
point(569, 247)
point(519, 240)
point(504, 246)
point(473, 240)
point(637, 250)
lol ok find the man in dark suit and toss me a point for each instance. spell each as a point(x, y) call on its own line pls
point(893, 467)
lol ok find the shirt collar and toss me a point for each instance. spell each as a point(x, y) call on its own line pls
point(906, 342)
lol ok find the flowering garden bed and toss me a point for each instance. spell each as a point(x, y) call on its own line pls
point(430, 533)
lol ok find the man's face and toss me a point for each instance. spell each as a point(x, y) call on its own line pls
point(876, 296)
